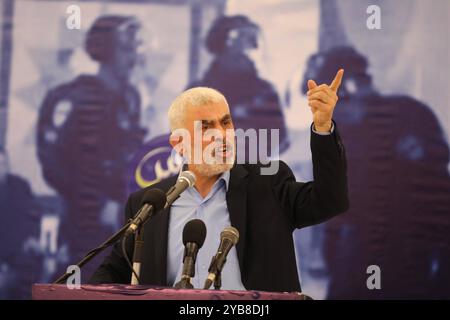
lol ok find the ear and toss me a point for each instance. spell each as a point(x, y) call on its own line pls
point(177, 143)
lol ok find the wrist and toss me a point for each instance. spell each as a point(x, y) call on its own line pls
point(325, 127)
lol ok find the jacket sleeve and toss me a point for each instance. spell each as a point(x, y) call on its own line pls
point(326, 196)
point(114, 268)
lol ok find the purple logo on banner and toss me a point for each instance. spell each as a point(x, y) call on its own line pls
point(154, 162)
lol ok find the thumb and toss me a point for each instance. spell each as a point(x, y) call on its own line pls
point(311, 84)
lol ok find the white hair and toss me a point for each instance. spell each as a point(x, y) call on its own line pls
point(198, 96)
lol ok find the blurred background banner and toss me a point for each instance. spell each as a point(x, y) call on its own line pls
point(83, 123)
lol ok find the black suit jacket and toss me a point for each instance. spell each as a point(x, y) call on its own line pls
point(266, 209)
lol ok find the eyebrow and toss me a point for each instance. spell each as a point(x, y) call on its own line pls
point(208, 122)
point(226, 117)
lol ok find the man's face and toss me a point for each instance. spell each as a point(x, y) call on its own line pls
point(126, 51)
point(244, 39)
point(216, 144)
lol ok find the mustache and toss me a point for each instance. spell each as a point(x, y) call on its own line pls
point(223, 144)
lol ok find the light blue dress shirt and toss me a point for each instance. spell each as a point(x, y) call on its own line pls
point(213, 211)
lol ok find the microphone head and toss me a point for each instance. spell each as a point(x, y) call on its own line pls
point(230, 233)
point(154, 197)
point(189, 176)
point(194, 231)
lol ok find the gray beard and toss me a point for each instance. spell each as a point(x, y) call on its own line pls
point(210, 170)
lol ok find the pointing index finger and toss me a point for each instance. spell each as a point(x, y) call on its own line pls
point(337, 80)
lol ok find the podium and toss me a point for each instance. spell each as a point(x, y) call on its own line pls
point(138, 292)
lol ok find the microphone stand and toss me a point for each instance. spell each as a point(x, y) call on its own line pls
point(94, 252)
point(188, 268)
point(218, 280)
point(184, 283)
point(137, 255)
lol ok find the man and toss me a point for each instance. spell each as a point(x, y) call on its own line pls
point(18, 222)
point(87, 131)
point(264, 208)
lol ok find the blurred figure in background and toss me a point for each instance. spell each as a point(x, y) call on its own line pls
point(18, 222)
point(399, 189)
point(253, 101)
point(87, 132)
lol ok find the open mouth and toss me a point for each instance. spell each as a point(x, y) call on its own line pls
point(224, 151)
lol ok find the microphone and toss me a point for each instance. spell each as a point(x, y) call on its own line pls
point(153, 201)
point(228, 238)
point(194, 234)
point(185, 180)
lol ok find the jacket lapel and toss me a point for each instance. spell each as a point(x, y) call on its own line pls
point(156, 238)
point(161, 231)
point(237, 206)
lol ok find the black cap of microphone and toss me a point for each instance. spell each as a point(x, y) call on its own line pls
point(194, 231)
point(194, 234)
point(155, 198)
point(152, 202)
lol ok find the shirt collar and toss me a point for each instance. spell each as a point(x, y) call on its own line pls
point(225, 177)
